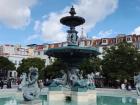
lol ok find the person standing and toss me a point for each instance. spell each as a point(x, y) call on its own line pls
point(9, 84)
point(41, 85)
point(123, 86)
point(1, 84)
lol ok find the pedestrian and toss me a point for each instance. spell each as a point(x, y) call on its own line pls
point(1, 84)
point(41, 85)
point(123, 86)
point(9, 83)
point(129, 87)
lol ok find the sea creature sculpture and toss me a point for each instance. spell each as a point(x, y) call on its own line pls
point(90, 81)
point(23, 78)
point(77, 79)
point(29, 85)
point(59, 81)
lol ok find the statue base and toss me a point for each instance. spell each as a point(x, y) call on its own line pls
point(56, 96)
point(58, 88)
point(78, 89)
point(79, 96)
point(92, 95)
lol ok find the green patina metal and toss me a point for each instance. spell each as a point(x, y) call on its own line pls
point(72, 54)
point(57, 88)
point(78, 89)
point(72, 51)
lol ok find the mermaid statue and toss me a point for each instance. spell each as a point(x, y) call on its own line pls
point(29, 85)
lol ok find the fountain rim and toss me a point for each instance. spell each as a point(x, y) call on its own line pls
point(77, 19)
point(87, 50)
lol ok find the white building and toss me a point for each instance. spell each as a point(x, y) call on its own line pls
point(15, 53)
point(39, 51)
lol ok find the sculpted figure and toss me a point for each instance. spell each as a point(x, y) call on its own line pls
point(137, 82)
point(23, 78)
point(90, 80)
point(77, 79)
point(73, 38)
point(60, 81)
point(29, 85)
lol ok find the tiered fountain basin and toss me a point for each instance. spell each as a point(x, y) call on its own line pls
point(72, 54)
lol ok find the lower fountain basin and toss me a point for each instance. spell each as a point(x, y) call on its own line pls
point(103, 97)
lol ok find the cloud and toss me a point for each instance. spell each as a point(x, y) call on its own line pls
point(93, 11)
point(32, 37)
point(136, 31)
point(16, 13)
point(37, 26)
point(104, 34)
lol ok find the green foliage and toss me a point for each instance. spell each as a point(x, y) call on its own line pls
point(5, 64)
point(88, 66)
point(53, 71)
point(29, 62)
point(91, 65)
point(120, 61)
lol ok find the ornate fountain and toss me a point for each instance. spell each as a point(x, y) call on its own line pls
point(72, 54)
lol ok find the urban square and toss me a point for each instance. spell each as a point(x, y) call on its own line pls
point(74, 52)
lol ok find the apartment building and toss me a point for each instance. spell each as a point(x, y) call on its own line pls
point(15, 53)
point(103, 43)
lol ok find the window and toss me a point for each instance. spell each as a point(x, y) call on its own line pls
point(15, 74)
point(10, 74)
point(104, 41)
point(128, 39)
point(38, 53)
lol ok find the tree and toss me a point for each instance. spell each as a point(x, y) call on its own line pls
point(5, 65)
point(91, 65)
point(53, 71)
point(120, 61)
point(32, 62)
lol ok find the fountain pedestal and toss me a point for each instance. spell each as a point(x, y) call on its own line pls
point(79, 96)
point(76, 96)
point(92, 95)
point(56, 96)
point(84, 96)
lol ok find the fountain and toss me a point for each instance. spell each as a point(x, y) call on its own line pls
point(72, 87)
point(72, 55)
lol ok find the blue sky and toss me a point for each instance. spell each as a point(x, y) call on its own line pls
point(37, 21)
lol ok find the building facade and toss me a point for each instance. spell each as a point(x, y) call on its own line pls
point(15, 53)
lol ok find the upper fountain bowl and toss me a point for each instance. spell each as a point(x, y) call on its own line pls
point(72, 21)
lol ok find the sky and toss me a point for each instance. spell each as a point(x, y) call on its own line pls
point(38, 21)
